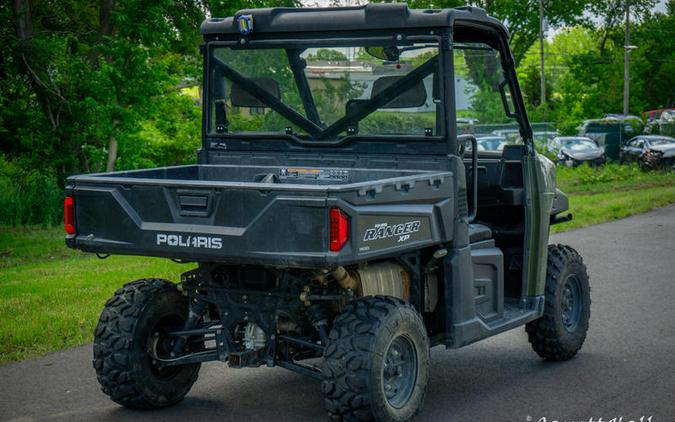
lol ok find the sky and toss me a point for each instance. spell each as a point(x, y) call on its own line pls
point(660, 6)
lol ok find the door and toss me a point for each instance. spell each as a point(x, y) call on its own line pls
point(635, 149)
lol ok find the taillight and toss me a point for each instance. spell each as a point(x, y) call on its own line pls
point(339, 229)
point(69, 214)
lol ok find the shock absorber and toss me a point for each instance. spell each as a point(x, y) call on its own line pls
point(318, 316)
point(197, 309)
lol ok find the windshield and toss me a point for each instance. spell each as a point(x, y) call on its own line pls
point(492, 143)
point(579, 144)
point(327, 93)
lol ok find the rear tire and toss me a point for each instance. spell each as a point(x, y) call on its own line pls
point(376, 363)
point(559, 334)
point(124, 339)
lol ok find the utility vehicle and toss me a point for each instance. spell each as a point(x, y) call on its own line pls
point(336, 224)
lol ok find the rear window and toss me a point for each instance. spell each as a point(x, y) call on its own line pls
point(326, 93)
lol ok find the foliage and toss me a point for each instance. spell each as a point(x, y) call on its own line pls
point(412, 123)
point(91, 72)
point(327, 54)
point(584, 175)
point(85, 77)
point(610, 177)
point(487, 106)
point(584, 71)
point(29, 195)
point(332, 96)
point(521, 16)
point(584, 64)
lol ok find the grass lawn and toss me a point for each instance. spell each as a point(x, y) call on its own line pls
point(51, 296)
point(612, 192)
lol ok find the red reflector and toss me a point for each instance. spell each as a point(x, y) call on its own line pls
point(69, 214)
point(339, 229)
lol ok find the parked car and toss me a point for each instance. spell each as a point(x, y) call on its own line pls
point(491, 143)
point(575, 150)
point(512, 135)
point(650, 151)
point(618, 116)
point(653, 116)
point(467, 120)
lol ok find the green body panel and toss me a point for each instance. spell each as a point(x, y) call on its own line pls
point(539, 181)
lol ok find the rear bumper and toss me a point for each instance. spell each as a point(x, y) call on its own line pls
point(592, 162)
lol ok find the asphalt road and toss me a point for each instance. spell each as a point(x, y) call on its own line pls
point(626, 368)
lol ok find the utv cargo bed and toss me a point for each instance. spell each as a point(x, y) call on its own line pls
point(255, 214)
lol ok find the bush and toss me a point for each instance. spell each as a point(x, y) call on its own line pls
point(385, 122)
point(586, 175)
point(29, 196)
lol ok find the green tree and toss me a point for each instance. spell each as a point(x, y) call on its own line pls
point(584, 71)
point(520, 16)
point(94, 85)
point(327, 54)
point(96, 69)
point(87, 79)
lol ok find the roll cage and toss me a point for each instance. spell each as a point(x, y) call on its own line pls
point(299, 30)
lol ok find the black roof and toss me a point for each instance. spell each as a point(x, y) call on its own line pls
point(369, 17)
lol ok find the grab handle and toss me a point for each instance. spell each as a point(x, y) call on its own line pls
point(474, 173)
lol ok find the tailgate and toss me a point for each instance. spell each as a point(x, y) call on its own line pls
point(258, 223)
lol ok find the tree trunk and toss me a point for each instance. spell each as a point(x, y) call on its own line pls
point(112, 154)
point(105, 17)
point(24, 27)
point(106, 30)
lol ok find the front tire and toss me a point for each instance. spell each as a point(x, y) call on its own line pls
point(125, 340)
point(376, 363)
point(559, 334)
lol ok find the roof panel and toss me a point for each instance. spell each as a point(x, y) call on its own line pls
point(369, 17)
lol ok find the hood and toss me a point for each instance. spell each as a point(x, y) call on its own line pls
point(667, 150)
point(584, 154)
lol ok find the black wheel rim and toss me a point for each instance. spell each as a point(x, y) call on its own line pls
point(571, 303)
point(399, 374)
